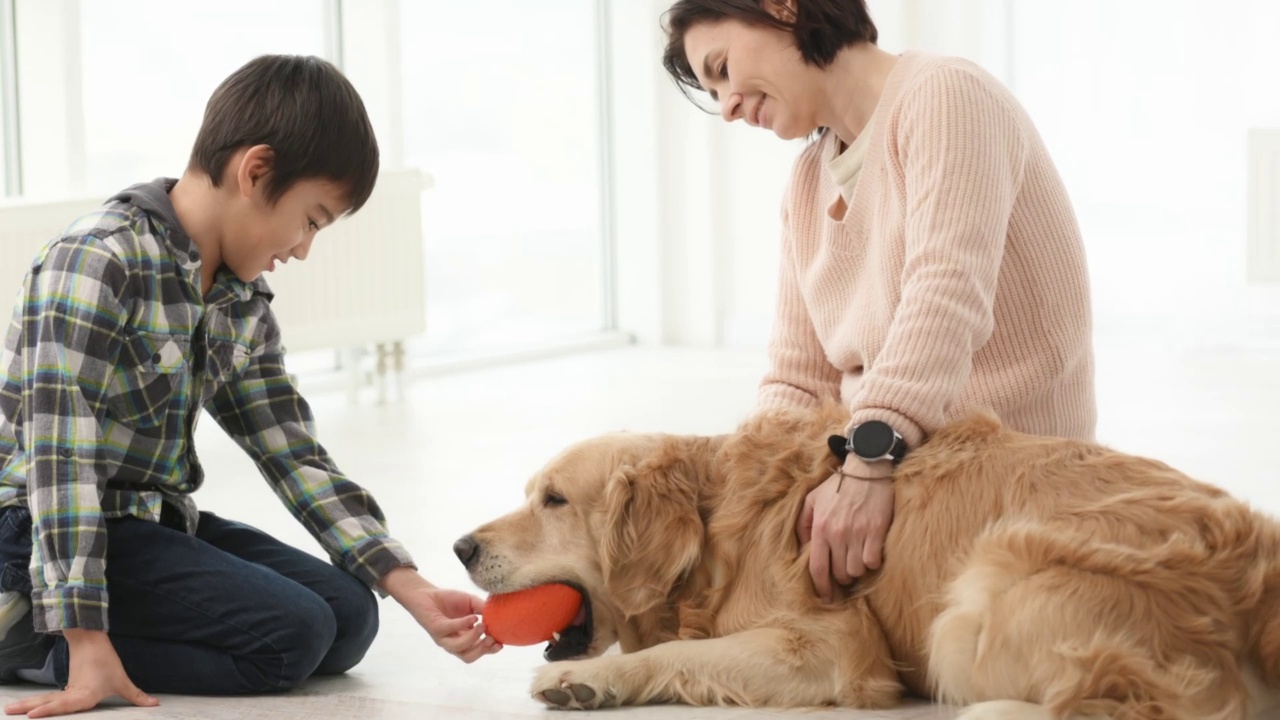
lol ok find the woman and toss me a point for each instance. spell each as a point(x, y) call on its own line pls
point(932, 264)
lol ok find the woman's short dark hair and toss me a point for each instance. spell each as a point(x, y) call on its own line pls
point(306, 110)
point(822, 28)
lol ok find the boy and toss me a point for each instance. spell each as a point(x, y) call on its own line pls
point(136, 318)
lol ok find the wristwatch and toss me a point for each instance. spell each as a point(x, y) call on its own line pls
point(875, 441)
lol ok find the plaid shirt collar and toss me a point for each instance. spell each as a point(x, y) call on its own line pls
point(153, 198)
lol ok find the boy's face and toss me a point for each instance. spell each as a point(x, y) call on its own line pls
point(263, 234)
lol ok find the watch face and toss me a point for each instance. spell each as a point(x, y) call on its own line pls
point(872, 440)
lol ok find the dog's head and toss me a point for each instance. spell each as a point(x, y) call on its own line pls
point(615, 517)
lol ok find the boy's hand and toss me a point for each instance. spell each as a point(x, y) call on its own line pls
point(95, 675)
point(449, 616)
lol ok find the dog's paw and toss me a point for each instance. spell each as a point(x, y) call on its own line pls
point(1005, 710)
point(572, 685)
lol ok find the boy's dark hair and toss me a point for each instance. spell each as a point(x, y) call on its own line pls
point(306, 110)
point(822, 28)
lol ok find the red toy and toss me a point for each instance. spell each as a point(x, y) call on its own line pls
point(528, 617)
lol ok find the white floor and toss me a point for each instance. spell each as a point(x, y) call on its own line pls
point(459, 451)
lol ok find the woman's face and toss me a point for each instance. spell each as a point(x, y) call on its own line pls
point(755, 73)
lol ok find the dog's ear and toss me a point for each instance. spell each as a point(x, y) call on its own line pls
point(652, 533)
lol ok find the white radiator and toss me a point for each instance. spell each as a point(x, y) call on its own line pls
point(1264, 206)
point(363, 282)
point(25, 227)
point(361, 285)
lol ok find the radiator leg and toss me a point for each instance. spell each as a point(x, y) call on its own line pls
point(397, 364)
point(382, 373)
point(351, 363)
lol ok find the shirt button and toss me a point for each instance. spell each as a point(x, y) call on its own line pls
point(65, 452)
point(155, 358)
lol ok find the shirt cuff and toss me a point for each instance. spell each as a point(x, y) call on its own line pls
point(71, 607)
point(370, 561)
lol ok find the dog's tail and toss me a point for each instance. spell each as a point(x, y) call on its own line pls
point(1237, 552)
point(1265, 653)
point(1264, 623)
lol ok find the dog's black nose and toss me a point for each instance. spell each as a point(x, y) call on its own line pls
point(466, 549)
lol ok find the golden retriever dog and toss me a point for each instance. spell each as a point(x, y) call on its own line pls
point(1024, 577)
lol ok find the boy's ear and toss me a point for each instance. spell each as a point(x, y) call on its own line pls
point(784, 10)
point(255, 165)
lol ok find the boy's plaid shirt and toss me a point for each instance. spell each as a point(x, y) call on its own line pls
point(108, 362)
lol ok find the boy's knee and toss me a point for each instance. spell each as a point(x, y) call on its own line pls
point(320, 634)
point(302, 644)
point(359, 619)
point(355, 612)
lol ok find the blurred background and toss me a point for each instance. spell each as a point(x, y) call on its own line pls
point(574, 196)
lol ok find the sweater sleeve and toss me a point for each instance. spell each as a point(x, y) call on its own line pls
point(960, 149)
point(799, 373)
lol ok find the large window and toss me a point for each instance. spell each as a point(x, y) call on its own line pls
point(502, 106)
point(112, 93)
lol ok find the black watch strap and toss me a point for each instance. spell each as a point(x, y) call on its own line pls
point(837, 445)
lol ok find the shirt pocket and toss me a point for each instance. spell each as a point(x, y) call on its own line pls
point(150, 378)
point(227, 359)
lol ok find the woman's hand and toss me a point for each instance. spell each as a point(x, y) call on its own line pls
point(847, 518)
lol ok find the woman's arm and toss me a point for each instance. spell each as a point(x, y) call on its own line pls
point(961, 151)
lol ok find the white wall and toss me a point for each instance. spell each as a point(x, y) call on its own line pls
point(636, 223)
point(1146, 106)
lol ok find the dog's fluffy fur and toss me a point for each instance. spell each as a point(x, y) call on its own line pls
point(1025, 577)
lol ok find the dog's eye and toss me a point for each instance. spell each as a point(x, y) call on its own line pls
point(553, 499)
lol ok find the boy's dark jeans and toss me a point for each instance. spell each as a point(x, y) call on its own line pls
point(230, 610)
